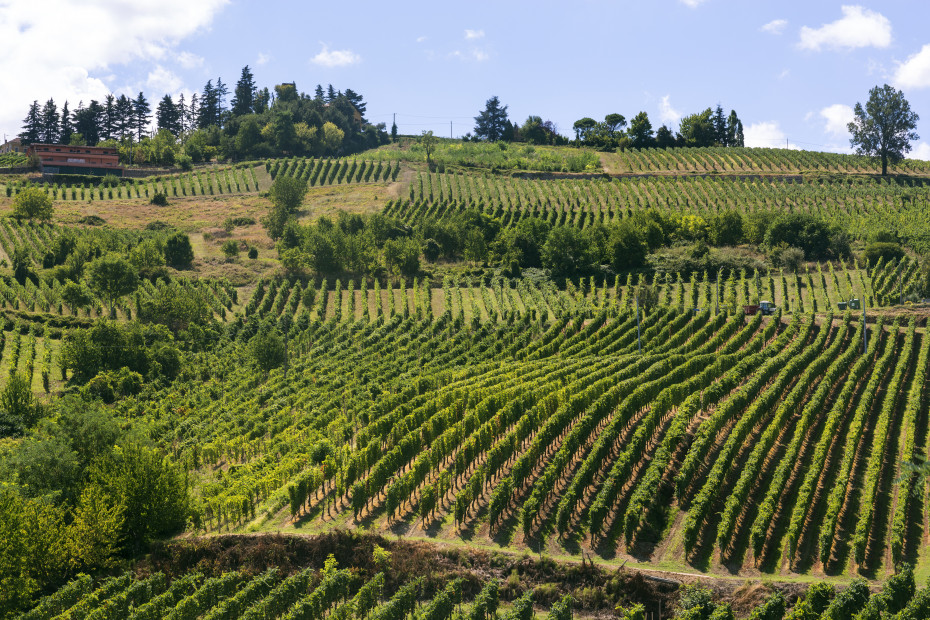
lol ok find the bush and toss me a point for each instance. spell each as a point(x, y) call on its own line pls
point(883, 249)
point(160, 199)
point(790, 258)
point(32, 203)
point(178, 251)
point(230, 249)
point(184, 162)
point(253, 252)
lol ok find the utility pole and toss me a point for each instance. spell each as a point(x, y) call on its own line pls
point(865, 331)
point(450, 130)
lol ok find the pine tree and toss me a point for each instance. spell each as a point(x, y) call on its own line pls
point(209, 106)
point(182, 114)
point(50, 122)
point(356, 100)
point(193, 112)
point(720, 127)
point(221, 92)
point(491, 122)
point(87, 121)
point(244, 97)
point(142, 113)
point(32, 125)
point(330, 94)
point(123, 122)
point(108, 125)
point(394, 132)
point(167, 117)
point(318, 93)
point(66, 127)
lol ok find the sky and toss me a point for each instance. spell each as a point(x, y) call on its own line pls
point(792, 70)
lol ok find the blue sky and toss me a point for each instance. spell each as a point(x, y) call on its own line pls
point(792, 70)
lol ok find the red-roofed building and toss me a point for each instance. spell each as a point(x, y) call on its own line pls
point(67, 159)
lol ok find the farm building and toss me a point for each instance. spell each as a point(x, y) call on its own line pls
point(65, 159)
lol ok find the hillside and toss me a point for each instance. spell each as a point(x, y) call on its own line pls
point(643, 416)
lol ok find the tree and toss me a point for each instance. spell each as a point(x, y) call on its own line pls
point(32, 125)
point(428, 142)
point(490, 122)
point(566, 251)
point(18, 409)
point(67, 129)
point(151, 493)
point(167, 116)
point(286, 193)
point(884, 127)
point(230, 249)
point(583, 127)
point(50, 122)
point(33, 203)
point(721, 133)
point(112, 276)
point(734, 130)
point(141, 113)
point(76, 295)
point(244, 96)
point(641, 131)
point(394, 131)
point(267, 349)
point(664, 137)
point(698, 129)
point(178, 251)
point(614, 122)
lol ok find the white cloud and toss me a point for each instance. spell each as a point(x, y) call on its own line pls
point(837, 116)
point(915, 71)
point(47, 51)
point(765, 134)
point(921, 151)
point(859, 27)
point(785, 73)
point(776, 26)
point(189, 61)
point(262, 59)
point(693, 3)
point(473, 34)
point(335, 58)
point(161, 82)
point(477, 55)
point(667, 114)
point(421, 39)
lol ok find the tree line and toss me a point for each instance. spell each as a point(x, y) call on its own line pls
point(255, 123)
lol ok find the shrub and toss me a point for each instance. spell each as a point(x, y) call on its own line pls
point(231, 249)
point(253, 252)
point(883, 249)
point(160, 199)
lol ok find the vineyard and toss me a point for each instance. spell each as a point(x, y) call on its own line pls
point(860, 205)
point(734, 160)
point(651, 418)
point(533, 416)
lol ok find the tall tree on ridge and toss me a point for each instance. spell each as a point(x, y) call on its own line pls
point(721, 135)
point(108, 123)
point(67, 129)
point(489, 124)
point(244, 96)
point(50, 122)
point(32, 125)
point(885, 127)
point(735, 130)
point(142, 113)
point(123, 119)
